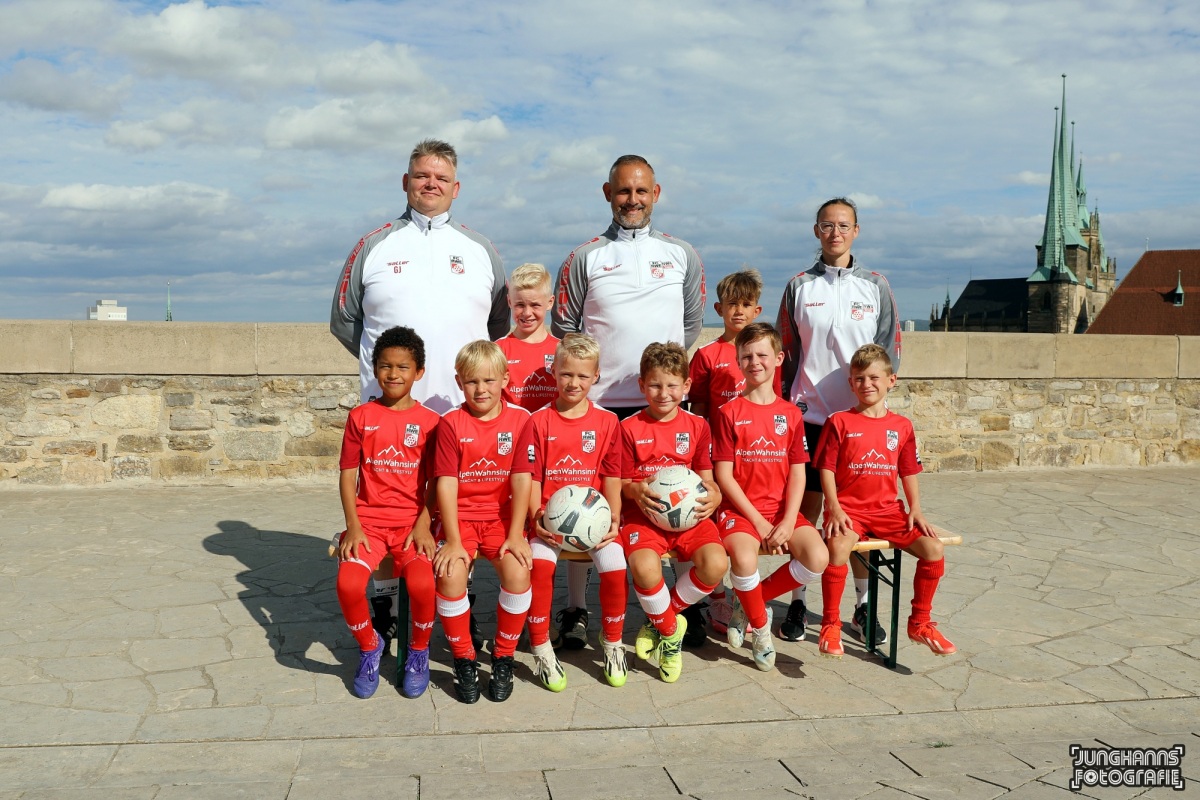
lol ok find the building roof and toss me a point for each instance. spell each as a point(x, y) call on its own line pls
point(1144, 303)
point(1062, 207)
point(997, 297)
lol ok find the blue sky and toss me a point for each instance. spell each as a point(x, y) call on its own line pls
point(239, 150)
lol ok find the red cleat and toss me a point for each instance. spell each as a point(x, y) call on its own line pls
point(830, 642)
point(928, 634)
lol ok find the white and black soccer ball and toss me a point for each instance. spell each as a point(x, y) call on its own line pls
point(681, 492)
point(579, 515)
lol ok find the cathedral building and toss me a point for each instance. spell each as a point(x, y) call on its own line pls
point(1074, 276)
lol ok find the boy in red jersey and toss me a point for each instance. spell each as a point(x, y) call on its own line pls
point(861, 453)
point(717, 379)
point(386, 448)
point(482, 509)
point(758, 447)
point(529, 348)
point(663, 435)
point(573, 441)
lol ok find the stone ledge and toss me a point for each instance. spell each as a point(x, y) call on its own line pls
point(159, 348)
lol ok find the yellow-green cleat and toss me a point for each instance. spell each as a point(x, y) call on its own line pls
point(670, 652)
point(545, 664)
point(646, 642)
point(615, 669)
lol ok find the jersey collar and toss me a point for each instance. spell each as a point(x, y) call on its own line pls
point(629, 235)
point(424, 223)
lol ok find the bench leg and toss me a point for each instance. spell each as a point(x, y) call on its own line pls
point(402, 629)
point(887, 568)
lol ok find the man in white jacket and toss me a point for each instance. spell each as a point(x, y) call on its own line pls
point(425, 271)
point(630, 286)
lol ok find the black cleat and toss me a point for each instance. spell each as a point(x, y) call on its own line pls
point(466, 679)
point(792, 629)
point(572, 629)
point(695, 635)
point(501, 685)
point(858, 624)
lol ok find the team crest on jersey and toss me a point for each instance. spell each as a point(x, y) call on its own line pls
point(893, 440)
point(456, 265)
point(589, 441)
point(549, 362)
point(412, 433)
point(659, 268)
point(504, 442)
point(633, 537)
point(683, 443)
point(780, 424)
point(859, 310)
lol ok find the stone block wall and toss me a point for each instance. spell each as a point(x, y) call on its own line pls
point(87, 403)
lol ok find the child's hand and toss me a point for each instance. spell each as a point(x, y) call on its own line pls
point(838, 524)
point(613, 530)
point(646, 500)
point(420, 538)
point(917, 519)
point(519, 548)
point(545, 535)
point(778, 536)
point(352, 539)
point(447, 557)
point(708, 504)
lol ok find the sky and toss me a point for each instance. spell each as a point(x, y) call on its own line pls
point(239, 150)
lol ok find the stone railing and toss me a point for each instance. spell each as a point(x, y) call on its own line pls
point(87, 403)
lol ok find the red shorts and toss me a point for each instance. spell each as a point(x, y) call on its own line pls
point(732, 522)
point(389, 541)
point(479, 536)
point(644, 536)
point(889, 523)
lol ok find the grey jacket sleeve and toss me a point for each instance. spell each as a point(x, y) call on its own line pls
point(346, 316)
point(693, 298)
point(498, 318)
point(793, 346)
point(572, 289)
point(887, 335)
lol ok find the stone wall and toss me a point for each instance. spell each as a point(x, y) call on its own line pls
point(85, 403)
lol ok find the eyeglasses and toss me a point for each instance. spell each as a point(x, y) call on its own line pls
point(828, 227)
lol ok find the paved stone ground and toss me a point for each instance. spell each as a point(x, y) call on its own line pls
point(164, 642)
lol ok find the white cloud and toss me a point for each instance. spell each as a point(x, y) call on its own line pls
point(1029, 178)
point(41, 85)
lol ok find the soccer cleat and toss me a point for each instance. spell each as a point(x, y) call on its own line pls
point(792, 629)
point(415, 677)
point(366, 677)
point(719, 612)
point(572, 629)
point(830, 641)
point(466, 679)
point(545, 663)
point(928, 634)
point(735, 634)
point(615, 668)
point(501, 684)
point(695, 632)
point(858, 624)
point(764, 646)
point(647, 641)
point(670, 652)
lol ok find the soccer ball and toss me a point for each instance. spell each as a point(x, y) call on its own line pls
point(579, 515)
point(681, 491)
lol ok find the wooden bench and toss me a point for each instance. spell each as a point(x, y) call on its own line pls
point(880, 558)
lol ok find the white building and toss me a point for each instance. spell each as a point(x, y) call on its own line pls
point(108, 310)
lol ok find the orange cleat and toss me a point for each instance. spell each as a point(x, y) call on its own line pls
point(830, 642)
point(927, 634)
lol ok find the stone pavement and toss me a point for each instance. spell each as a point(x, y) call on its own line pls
point(171, 642)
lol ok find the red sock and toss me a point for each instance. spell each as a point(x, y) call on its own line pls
point(749, 591)
point(456, 623)
point(779, 582)
point(925, 582)
point(542, 579)
point(511, 611)
point(614, 596)
point(689, 590)
point(418, 581)
point(833, 583)
point(352, 596)
point(656, 603)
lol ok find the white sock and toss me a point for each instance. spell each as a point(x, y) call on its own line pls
point(798, 594)
point(861, 585)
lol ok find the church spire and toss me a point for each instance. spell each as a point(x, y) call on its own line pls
point(1062, 211)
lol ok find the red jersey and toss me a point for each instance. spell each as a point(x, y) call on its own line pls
point(392, 451)
point(531, 385)
point(763, 442)
point(480, 454)
point(866, 456)
point(649, 445)
point(716, 376)
point(562, 452)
